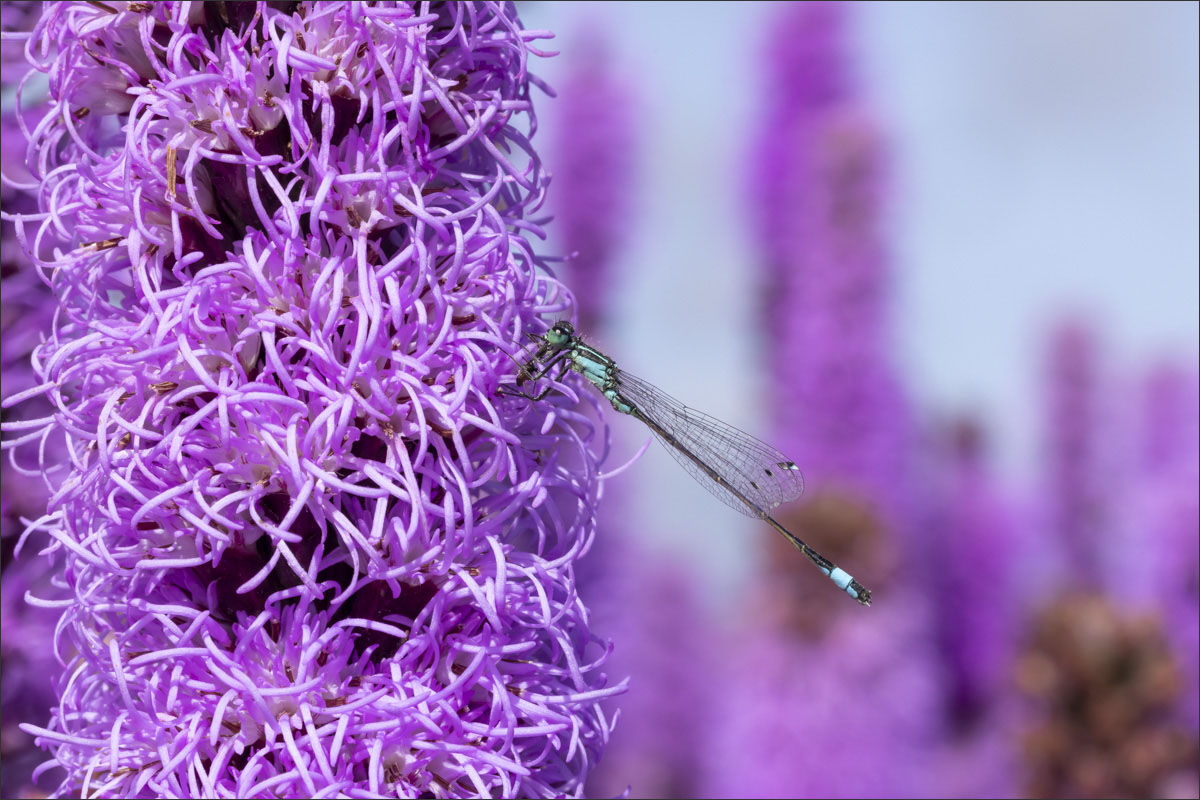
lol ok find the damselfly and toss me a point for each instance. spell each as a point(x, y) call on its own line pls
point(748, 475)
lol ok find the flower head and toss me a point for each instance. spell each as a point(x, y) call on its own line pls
point(312, 550)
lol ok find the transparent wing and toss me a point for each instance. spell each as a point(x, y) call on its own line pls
point(760, 472)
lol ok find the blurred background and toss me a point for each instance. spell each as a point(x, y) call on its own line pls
point(945, 256)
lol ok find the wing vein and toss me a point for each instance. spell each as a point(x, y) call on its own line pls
point(758, 471)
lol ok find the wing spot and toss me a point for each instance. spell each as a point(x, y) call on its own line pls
point(769, 474)
point(755, 485)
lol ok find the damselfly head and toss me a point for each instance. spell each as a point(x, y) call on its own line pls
point(560, 335)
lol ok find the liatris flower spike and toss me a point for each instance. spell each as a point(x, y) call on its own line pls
point(311, 551)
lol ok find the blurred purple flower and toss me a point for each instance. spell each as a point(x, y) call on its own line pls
point(310, 551)
point(1074, 494)
point(660, 637)
point(846, 715)
point(840, 412)
point(641, 604)
point(1170, 420)
point(972, 568)
point(16, 20)
point(592, 186)
point(839, 409)
point(27, 667)
point(824, 699)
point(806, 77)
point(1159, 553)
point(974, 548)
point(594, 175)
point(26, 304)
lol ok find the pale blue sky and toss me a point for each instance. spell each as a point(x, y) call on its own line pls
point(1045, 158)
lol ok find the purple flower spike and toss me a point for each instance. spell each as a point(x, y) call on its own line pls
point(27, 667)
point(973, 533)
point(826, 701)
point(661, 637)
point(1158, 547)
point(312, 549)
point(974, 542)
point(1078, 516)
point(1170, 422)
point(594, 174)
point(819, 196)
point(805, 69)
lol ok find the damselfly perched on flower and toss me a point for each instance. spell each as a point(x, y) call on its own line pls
point(747, 474)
